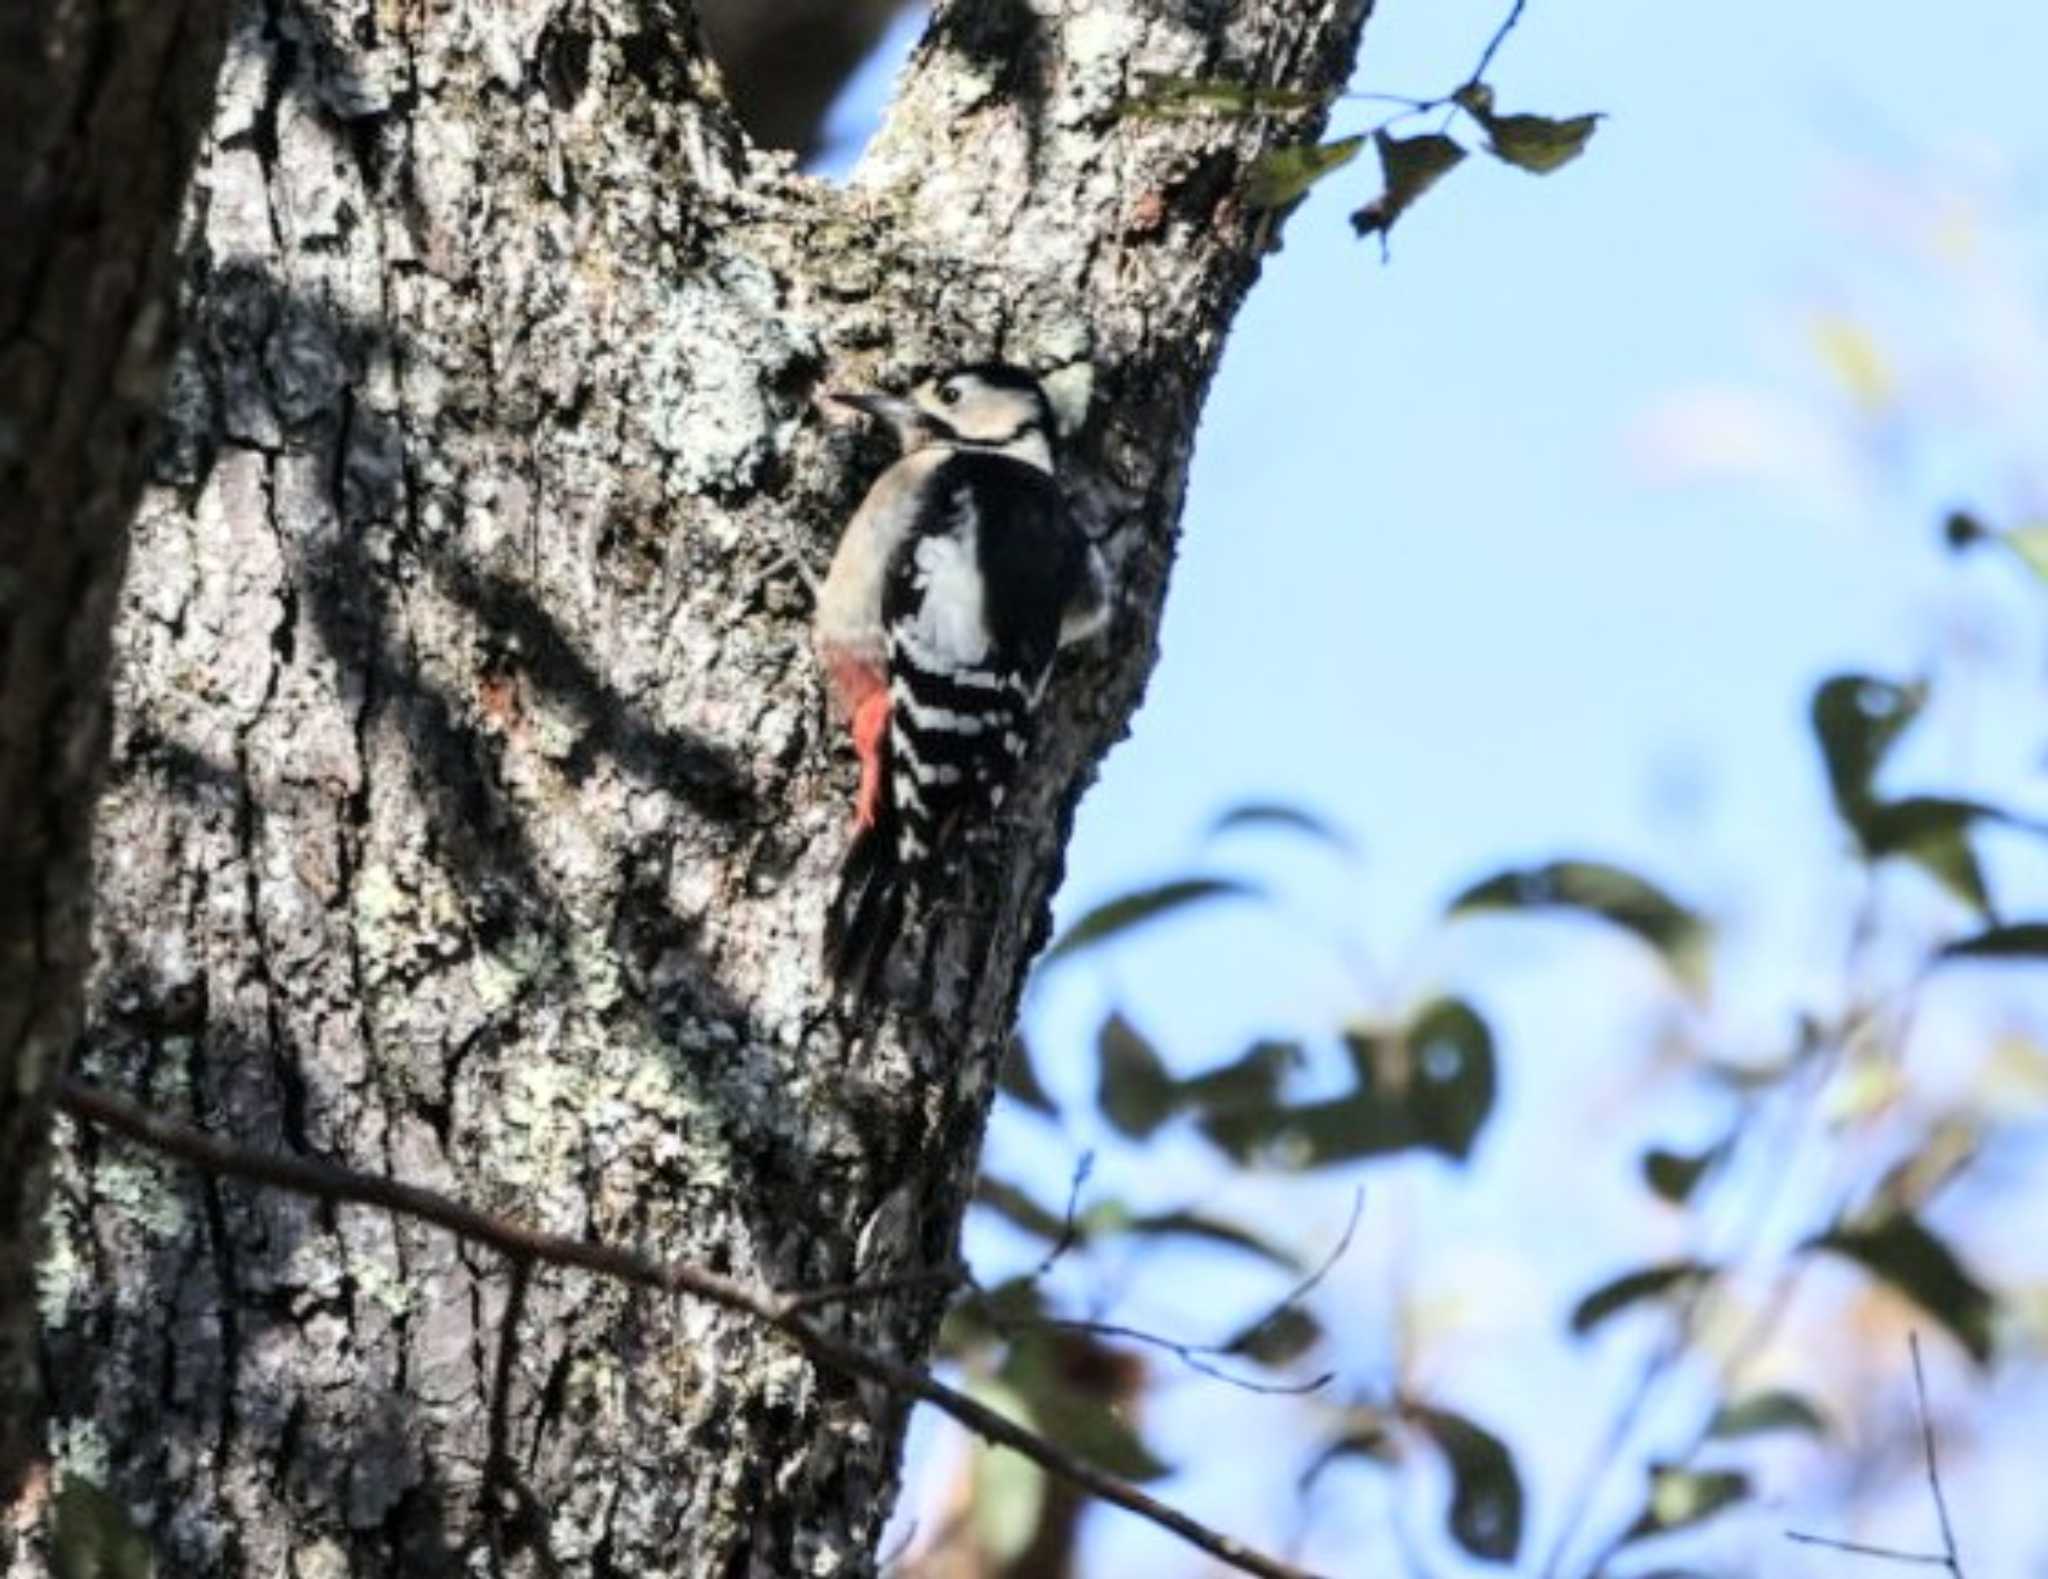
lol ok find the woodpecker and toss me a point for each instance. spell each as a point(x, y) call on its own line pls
point(953, 588)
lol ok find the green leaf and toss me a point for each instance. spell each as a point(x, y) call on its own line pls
point(1008, 1488)
point(1251, 1080)
point(1932, 831)
point(1020, 1083)
point(1164, 95)
point(1280, 1337)
point(1898, 1250)
point(1283, 175)
point(1430, 1086)
point(1770, 1411)
point(1016, 1206)
point(1195, 1225)
point(1147, 904)
point(1607, 892)
point(2030, 543)
point(92, 1536)
point(1042, 1373)
point(1285, 819)
point(1680, 1498)
point(1674, 1176)
point(1134, 1091)
point(1858, 719)
point(1537, 143)
point(2021, 940)
point(1409, 166)
point(973, 1325)
point(1632, 1288)
point(1486, 1493)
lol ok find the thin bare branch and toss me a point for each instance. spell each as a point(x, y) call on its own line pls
point(1195, 1356)
point(1070, 1229)
point(783, 1313)
point(1948, 1534)
point(1945, 1558)
point(1859, 1549)
point(1500, 37)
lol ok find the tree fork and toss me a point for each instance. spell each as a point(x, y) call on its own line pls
point(471, 808)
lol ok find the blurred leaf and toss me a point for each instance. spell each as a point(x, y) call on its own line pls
point(1432, 1086)
point(1950, 1146)
point(92, 1536)
point(1019, 1080)
point(1015, 1205)
point(1453, 1080)
point(1539, 144)
point(1163, 95)
point(1194, 1225)
point(1486, 1494)
point(1287, 819)
point(1252, 1080)
point(1858, 719)
point(1965, 529)
point(1147, 904)
point(1409, 166)
point(1134, 1091)
point(1008, 1488)
point(1851, 354)
point(1771, 1411)
point(1931, 830)
point(1367, 1436)
point(1608, 892)
point(1536, 143)
point(1044, 1373)
point(1674, 1176)
point(1632, 1288)
point(2021, 940)
point(2031, 544)
point(1898, 1250)
point(1683, 1497)
point(1282, 176)
point(1280, 1337)
point(975, 1323)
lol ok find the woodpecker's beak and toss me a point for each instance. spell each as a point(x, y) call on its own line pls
point(910, 425)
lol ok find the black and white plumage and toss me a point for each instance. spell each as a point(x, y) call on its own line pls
point(953, 589)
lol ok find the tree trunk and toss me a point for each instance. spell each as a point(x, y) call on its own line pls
point(101, 103)
point(473, 805)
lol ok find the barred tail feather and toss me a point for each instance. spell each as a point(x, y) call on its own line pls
point(866, 913)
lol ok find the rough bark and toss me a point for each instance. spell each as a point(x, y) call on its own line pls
point(473, 805)
point(101, 103)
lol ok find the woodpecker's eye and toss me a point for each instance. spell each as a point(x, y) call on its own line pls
point(949, 394)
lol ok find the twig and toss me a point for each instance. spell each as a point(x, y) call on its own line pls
point(1947, 1557)
point(1948, 1534)
point(1196, 1356)
point(1858, 1549)
point(1192, 1355)
point(1070, 1231)
point(779, 1311)
point(1500, 37)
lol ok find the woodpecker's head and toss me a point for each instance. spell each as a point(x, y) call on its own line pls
point(989, 406)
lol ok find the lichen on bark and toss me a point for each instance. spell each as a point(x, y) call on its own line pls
point(473, 804)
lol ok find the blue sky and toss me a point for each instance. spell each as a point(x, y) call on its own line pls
point(1454, 578)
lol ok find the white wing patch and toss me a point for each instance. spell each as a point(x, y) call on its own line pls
point(950, 632)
